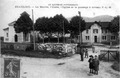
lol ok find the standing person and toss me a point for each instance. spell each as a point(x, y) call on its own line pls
point(82, 54)
point(93, 49)
point(80, 51)
point(91, 64)
point(96, 64)
point(86, 53)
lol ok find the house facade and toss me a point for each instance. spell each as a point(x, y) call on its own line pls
point(97, 33)
point(11, 36)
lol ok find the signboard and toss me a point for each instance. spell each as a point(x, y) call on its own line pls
point(11, 68)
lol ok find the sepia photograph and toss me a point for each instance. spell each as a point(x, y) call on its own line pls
point(59, 39)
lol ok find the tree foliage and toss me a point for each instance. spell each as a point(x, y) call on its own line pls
point(60, 23)
point(114, 25)
point(24, 23)
point(41, 24)
point(52, 24)
point(75, 22)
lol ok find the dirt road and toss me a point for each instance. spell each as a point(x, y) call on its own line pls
point(70, 67)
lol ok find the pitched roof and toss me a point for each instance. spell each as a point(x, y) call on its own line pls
point(6, 28)
point(12, 23)
point(101, 24)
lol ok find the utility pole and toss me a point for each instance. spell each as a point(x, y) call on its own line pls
point(0, 47)
point(80, 33)
point(33, 29)
point(0, 60)
point(63, 33)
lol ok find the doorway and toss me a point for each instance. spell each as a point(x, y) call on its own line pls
point(16, 38)
point(95, 39)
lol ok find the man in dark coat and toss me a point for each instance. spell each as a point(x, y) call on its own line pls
point(96, 65)
point(81, 52)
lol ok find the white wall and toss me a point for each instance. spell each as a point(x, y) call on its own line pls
point(91, 34)
point(101, 32)
point(11, 34)
point(84, 34)
point(6, 39)
point(95, 26)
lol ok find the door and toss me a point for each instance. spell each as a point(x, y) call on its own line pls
point(95, 39)
point(16, 38)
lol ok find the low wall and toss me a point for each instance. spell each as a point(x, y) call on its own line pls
point(50, 47)
point(15, 46)
point(57, 47)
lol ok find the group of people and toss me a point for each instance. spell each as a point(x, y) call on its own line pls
point(93, 60)
point(94, 64)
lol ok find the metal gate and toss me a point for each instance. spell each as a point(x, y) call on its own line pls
point(109, 53)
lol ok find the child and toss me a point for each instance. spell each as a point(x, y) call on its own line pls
point(96, 65)
point(91, 64)
point(86, 53)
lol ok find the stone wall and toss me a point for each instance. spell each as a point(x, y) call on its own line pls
point(57, 47)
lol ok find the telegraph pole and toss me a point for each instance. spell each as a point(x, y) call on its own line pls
point(33, 29)
point(63, 33)
point(0, 60)
point(80, 33)
point(0, 47)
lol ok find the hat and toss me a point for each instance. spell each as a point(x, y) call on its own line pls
point(91, 56)
point(95, 55)
point(78, 45)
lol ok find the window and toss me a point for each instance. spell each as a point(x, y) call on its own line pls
point(95, 30)
point(102, 31)
point(87, 31)
point(105, 31)
point(104, 37)
point(112, 37)
point(6, 39)
point(26, 37)
point(87, 37)
point(6, 34)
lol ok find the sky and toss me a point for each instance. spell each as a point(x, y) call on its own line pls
point(10, 10)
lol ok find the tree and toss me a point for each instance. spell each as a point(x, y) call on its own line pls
point(41, 25)
point(75, 22)
point(60, 24)
point(114, 25)
point(23, 24)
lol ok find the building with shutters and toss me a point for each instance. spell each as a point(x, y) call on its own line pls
point(97, 32)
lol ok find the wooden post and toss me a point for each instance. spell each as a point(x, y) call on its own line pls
point(0, 60)
point(63, 33)
point(108, 55)
point(33, 29)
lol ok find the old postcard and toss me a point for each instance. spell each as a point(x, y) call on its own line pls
point(59, 39)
